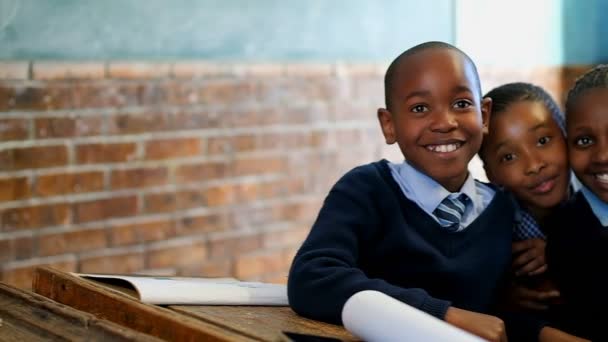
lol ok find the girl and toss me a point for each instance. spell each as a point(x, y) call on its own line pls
point(525, 153)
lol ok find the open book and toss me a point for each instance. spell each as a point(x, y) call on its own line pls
point(191, 290)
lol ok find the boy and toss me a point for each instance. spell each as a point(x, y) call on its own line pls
point(577, 246)
point(423, 232)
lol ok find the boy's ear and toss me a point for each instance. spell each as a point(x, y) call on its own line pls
point(387, 125)
point(486, 110)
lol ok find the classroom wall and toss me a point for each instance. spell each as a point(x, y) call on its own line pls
point(196, 137)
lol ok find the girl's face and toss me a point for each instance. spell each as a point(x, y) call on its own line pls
point(587, 127)
point(526, 154)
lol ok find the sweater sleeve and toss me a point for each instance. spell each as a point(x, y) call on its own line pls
point(325, 271)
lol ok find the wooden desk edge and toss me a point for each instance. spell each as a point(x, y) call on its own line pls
point(119, 308)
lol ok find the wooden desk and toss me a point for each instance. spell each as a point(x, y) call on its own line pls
point(183, 323)
point(26, 316)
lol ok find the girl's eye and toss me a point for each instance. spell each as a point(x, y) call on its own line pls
point(507, 157)
point(420, 108)
point(583, 141)
point(543, 141)
point(462, 104)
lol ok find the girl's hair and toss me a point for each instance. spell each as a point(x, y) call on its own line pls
point(510, 93)
point(594, 78)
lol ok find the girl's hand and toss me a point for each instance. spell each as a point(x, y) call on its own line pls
point(530, 259)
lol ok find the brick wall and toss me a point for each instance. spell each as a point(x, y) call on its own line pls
point(186, 168)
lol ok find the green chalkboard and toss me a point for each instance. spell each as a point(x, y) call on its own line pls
point(243, 30)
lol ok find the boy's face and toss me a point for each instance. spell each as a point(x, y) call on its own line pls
point(525, 152)
point(587, 127)
point(436, 116)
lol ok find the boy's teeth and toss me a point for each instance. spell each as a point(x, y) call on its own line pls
point(602, 177)
point(444, 148)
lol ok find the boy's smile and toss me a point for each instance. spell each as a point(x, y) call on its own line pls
point(525, 153)
point(587, 126)
point(436, 116)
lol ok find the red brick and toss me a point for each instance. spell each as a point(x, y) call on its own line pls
point(293, 236)
point(226, 145)
point(191, 199)
point(200, 172)
point(68, 70)
point(196, 120)
point(14, 129)
point(14, 189)
point(66, 127)
point(160, 202)
point(220, 195)
point(139, 177)
point(69, 183)
point(230, 246)
point(6, 250)
point(277, 278)
point(190, 253)
point(22, 277)
point(138, 123)
point(193, 225)
point(249, 118)
point(33, 157)
point(104, 209)
point(210, 268)
point(35, 216)
point(24, 247)
point(251, 166)
point(72, 241)
point(224, 92)
point(51, 96)
point(106, 153)
point(113, 262)
point(256, 264)
point(14, 70)
point(106, 95)
point(7, 98)
point(172, 148)
point(134, 70)
point(129, 234)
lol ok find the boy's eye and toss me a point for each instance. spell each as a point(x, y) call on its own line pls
point(462, 104)
point(419, 108)
point(543, 141)
point(583, 141)
point(507, 157)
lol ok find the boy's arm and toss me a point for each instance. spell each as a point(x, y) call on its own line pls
point(325, 271)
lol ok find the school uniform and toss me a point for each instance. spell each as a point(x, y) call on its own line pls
point(577, 251)
point(377, 230)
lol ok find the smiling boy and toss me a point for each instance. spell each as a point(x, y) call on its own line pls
point(422, 231)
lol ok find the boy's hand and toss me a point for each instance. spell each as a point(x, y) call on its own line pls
point(526, 298)
point(530, 258)
point(485, 326)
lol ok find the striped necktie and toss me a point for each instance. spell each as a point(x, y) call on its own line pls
point(449, 212)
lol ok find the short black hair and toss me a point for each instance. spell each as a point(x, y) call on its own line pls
point(592, 79)
point(389, 77)
point(510, 93)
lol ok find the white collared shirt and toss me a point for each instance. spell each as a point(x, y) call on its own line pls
point(428, 194)
point(599, 207)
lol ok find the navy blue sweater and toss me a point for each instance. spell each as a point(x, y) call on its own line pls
point(369, 236)
point(577, 253)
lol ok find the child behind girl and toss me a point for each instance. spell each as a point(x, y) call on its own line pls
point(577, 247)
point(525, 153)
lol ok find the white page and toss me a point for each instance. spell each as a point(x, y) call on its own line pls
point(201, 291)
point(374, 316)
